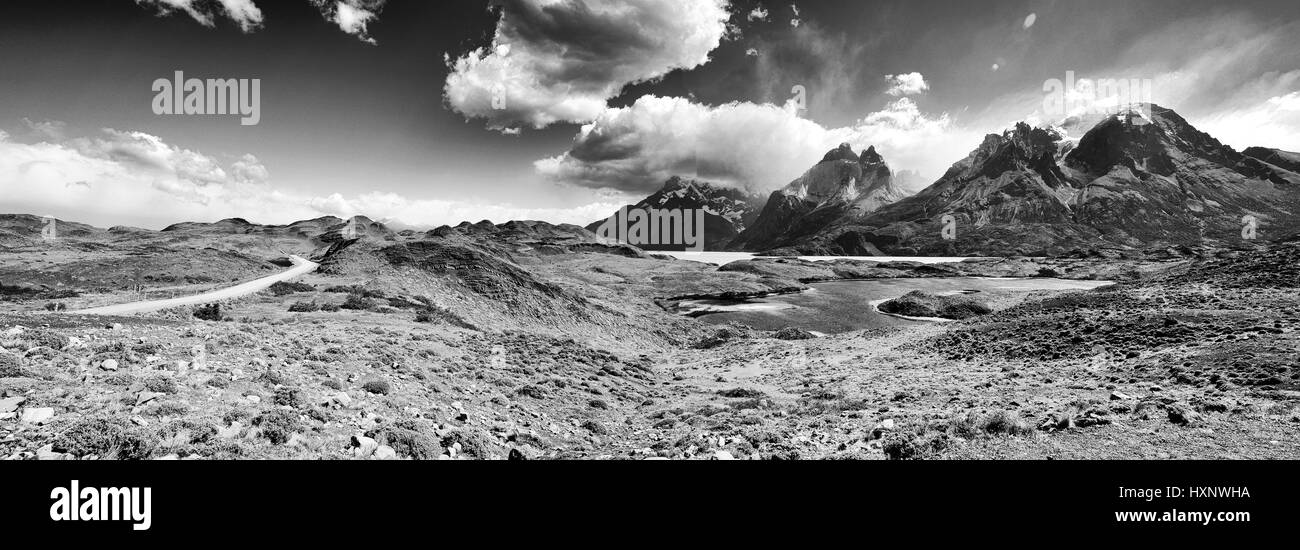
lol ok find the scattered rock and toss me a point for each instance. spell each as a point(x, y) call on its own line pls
point(11, 404)
point(363, 447)
point(37, 415)
point(384, 452)
point(1184, 416)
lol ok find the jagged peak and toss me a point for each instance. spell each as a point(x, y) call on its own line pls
point(843, 152)
point(870, 156)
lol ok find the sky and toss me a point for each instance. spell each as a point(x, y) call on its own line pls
point(427, 113)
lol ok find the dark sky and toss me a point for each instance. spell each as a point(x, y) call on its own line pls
point(341, 116)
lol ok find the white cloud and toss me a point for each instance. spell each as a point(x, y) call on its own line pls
point(352, 16)
point(906, 84)
point(241, 12)
point(759, 13)
point(759, 147)
point(1030, 20)
point(567, 59)
point(134, 178)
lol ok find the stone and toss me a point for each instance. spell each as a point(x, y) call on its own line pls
point(723, 455)
point(1184, 416)
point(253, 399)
point(1118, 396)
point(230, 432)
point(37, 415)
point(342, 399)
point(47, 453)
point(384, 452)
point(886, 425)
point(10, 404)
point(363, 447)
point(109, 364)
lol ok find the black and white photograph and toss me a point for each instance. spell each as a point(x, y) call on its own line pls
point(852, 241)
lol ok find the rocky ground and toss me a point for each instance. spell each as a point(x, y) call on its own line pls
point(485, 342)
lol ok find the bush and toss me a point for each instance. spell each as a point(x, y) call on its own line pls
point(11, 366)
point(408, 439)
point(161, 384)
point(219, 381)
point(56, 306)
point(284, 289)
point(210, 312)
point(380, 387)
point(45, 338)
point(304, 307)
point(105, 437)
point(278, 425)
point(289, 397)
point(1005, 423)
point(435, 314)
point(358, 302)
point(333, 384)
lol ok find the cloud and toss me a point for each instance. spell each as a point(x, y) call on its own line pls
point(1030, 20)
point(906, 84)
point(53, 130)
point(352, 16)
point(759, 13)
point(759, 147)
point(568, 58)
point(241, 12)
point(135, 178)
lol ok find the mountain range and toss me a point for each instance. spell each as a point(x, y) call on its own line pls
point(1143, 177)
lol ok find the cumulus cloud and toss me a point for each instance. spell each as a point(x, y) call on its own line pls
point(46, 129)
point(241, 12)
point(135, 178)
point(759, 147)
point(906, 84)
point(568, 58)
point(352, 16)
point(759, 13)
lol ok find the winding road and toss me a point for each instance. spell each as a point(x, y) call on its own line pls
point(300, 267)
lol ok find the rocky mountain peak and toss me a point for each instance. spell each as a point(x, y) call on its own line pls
point(870, 156)
point(843, 152)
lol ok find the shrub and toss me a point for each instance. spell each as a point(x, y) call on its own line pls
point(284, 289)
point(289, 397)
point(915, 445)
point(408, 439)
point(45, 338)
point(105, 437)
point(161, 384)
point(120, 379)
point(210, 312)
point(380, 387)
point(358, 302)
point(435, 314)
point(278, 425)
point(219, 381)
point(741, 393)
point(56, 306)
point(1005, 423)
point(333, 384)
point(304, 307)
point(11, 366)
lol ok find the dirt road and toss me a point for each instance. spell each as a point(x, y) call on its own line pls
point(301, 267)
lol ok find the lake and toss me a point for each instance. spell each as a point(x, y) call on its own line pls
point(843, 306)
point(724, 258)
